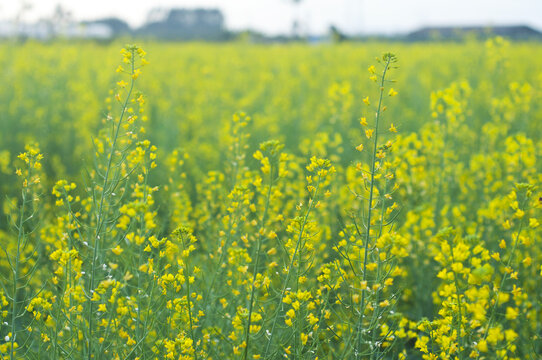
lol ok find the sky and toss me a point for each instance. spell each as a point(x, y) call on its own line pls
point(315, 16)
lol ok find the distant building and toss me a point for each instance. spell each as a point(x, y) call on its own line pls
point(520, 32)
point(185, 24)
point(40, 30)
point(46, 30)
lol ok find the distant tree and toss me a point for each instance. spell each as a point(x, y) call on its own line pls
point(118, 26)
point(185, 24)
point(24, 8)
point(336, 35)
point(60, 20)
point(157, 14)
point(61, 16)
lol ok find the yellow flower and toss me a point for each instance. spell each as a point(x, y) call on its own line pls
point(117, 250)
point(136, 73)
point(304, 338)
point(510, 335)
point(366, 101)
point(511, 313)
point(369, 133)
point(494, 335)
point(291, 313)
point(482, 346)
point(393, 128)
point(384, 303)
point(392, 92)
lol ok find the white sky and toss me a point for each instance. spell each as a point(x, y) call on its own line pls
point(276, 16)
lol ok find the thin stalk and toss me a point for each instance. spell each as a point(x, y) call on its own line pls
point(235, 164)
point(503, 280)
point(20, 238)
point(370, 208)
point(224, 251)
point(376, 312)
point(68, 279)
point(140, 255)
point(459, 313)
point(301, 231)
point(99, 215)
point(187, 267)
point(190, 314)
point(378, 274)
point(256, 265)
point(440, 186)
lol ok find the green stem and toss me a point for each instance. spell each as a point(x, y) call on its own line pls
point(369, 214)
point(256, 265)
point(187, 267)
point(504, 278)
point(140, 256)
point(301, 231)
point(458, 299)
point(20, 238)
point(99, 216)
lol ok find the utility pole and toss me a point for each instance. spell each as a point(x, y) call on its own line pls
point(296, 24)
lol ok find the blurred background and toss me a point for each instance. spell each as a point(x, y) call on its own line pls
point(299, 68)
point(270, 20)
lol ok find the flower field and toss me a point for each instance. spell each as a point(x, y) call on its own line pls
point(240, 201)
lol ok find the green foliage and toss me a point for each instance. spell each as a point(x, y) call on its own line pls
point(385, 219)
